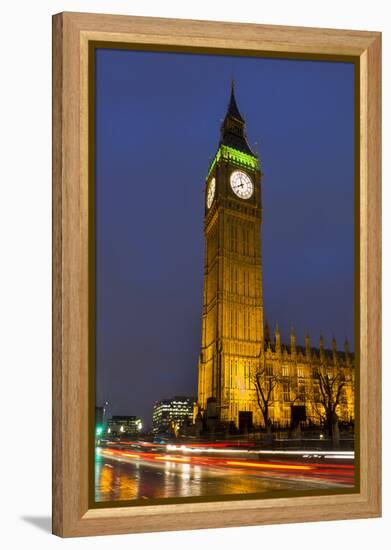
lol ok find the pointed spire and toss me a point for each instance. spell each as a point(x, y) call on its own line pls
point(232, 128)
point(321, 347)
point(233, 110)
point(334, 344)
point(307, 344)
point(293, 341)
point(277, 336)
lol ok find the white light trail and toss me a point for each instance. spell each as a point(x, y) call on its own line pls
point(344, 455)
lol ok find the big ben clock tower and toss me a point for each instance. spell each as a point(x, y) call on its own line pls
point(232, 319)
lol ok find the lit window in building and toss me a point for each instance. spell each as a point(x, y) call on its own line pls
point(269, 370)
point(300, 372)
point(286, 392)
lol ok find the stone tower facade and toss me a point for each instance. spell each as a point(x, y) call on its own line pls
point(237, 349)
point(232, 320)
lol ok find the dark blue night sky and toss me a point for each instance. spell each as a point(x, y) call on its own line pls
point(157, 126)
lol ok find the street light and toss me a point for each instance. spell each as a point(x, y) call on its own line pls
point(105, 405)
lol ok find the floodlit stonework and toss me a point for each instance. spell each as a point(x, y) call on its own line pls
point(246, 376)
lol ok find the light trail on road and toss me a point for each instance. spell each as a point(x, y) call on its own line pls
point(290, 466)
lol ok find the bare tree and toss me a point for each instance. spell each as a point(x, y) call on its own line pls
point(265, 381)
point(325, 401)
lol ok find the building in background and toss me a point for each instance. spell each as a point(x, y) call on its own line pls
point(170, 415)
point(246, 377)
point(124, 425)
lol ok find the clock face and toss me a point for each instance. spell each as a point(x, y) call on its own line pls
point(241, 184)
point(210, 192)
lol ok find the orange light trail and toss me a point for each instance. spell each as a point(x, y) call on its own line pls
point(130, 455)
point(171, 458)
point(333, 472)
point(263, 465)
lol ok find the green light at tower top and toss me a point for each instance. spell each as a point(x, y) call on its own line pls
point(234, 155)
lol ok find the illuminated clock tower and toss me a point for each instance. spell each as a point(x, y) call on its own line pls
point(232, 319)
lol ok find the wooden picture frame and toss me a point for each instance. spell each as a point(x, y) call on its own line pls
point(72, 33)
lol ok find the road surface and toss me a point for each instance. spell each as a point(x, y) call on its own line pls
point(145, 471)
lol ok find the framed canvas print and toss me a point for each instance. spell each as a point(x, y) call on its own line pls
point(216, 268)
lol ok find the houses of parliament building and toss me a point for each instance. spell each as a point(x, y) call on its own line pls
point(238, 348)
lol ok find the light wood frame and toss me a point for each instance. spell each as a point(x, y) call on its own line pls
point(71, 35)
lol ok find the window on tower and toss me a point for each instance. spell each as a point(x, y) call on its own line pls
point(286, 392)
